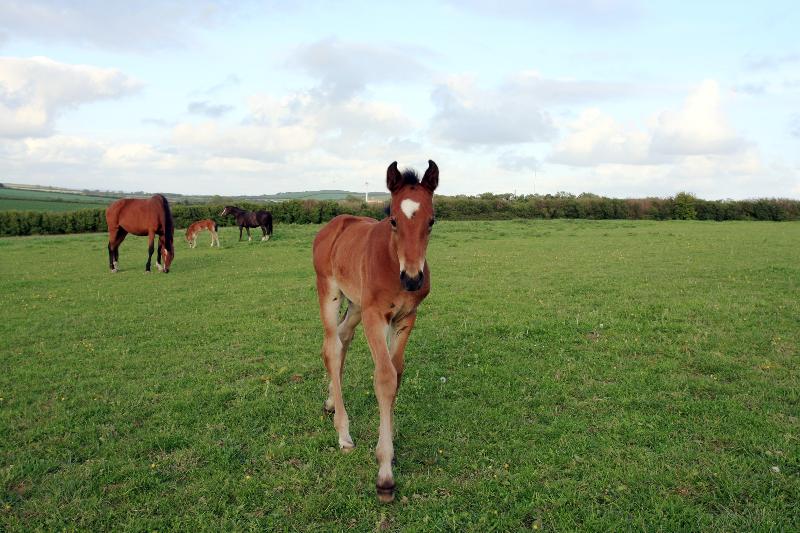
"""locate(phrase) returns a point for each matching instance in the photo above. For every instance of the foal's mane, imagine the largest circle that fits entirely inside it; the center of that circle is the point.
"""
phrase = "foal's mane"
(410, 176)
(169, 226)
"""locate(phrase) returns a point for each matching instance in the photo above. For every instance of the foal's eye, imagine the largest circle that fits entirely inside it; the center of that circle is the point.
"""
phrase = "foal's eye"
(393, 222)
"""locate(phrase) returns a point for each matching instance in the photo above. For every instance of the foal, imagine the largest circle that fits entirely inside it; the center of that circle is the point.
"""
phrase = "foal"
(379, 267)
(197, 227)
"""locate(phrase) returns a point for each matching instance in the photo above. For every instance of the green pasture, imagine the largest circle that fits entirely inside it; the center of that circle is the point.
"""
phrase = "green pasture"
(31, 200)
(563, 375)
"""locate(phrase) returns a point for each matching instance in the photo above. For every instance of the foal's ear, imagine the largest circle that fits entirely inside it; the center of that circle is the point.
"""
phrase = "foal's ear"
(431, 178)
(393, 178)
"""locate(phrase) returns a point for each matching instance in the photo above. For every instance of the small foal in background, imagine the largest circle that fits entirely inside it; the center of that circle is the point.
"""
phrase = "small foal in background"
(197, 227)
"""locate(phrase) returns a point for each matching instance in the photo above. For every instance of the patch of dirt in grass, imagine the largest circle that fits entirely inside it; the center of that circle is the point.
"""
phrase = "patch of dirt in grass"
(593, 336)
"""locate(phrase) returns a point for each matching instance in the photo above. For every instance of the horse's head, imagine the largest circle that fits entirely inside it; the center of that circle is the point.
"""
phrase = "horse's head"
(229, 210)
(167, 254)
(411, 218)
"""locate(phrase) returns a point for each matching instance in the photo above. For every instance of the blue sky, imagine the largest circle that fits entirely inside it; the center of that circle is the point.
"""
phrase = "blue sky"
(614, 97)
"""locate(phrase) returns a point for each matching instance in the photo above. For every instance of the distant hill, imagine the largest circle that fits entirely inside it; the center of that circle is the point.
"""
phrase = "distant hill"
(20, 197)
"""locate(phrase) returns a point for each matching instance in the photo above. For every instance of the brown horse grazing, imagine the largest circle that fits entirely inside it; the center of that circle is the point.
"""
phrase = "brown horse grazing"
(149, 217)
(380, 268)
(197, 227)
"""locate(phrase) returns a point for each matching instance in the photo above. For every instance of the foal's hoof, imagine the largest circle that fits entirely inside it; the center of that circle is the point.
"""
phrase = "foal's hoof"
(328, 408)
(385, 494)
(346, 446)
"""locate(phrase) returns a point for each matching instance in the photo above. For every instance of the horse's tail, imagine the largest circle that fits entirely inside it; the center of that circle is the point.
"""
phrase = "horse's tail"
(169, 225)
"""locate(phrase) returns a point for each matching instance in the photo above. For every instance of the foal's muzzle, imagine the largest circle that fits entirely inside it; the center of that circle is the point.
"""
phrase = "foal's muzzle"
(411, 284)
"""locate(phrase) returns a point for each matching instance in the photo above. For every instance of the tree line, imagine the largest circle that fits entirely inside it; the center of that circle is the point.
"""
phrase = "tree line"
(682, 206)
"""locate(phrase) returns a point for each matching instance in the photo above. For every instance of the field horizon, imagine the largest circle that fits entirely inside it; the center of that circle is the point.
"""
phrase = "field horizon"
(563, 374)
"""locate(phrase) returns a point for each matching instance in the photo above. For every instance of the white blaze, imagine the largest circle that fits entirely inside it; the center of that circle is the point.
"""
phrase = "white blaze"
(409, 207)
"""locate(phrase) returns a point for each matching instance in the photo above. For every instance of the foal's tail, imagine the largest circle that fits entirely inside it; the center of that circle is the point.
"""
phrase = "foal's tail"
(216, 226)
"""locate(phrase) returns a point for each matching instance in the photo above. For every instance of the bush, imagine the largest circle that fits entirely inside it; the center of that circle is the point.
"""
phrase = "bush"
(487, 206)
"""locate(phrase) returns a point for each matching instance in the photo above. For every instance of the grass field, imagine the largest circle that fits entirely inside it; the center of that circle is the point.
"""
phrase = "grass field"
(30, 200)
(563, 375)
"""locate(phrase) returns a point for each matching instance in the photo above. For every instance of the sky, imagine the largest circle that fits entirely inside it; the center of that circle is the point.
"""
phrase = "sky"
(615, 97)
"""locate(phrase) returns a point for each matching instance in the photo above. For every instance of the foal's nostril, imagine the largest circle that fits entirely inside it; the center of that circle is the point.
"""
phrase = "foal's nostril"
(411, 284)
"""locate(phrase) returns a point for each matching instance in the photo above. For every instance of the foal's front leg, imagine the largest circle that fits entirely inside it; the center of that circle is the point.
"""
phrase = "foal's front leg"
(385, 382)
(401, 330)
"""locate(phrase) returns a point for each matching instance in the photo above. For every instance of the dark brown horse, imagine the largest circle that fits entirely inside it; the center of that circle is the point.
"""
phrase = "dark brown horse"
(380, 270)
(250, 219)
(149, 217)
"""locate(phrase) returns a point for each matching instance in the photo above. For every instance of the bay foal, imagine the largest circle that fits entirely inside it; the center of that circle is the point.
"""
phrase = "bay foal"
(379, 268)
(197, 227)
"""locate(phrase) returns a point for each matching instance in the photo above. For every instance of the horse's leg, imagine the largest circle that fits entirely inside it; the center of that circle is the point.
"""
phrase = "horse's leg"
(264, 231)
(113, 247)
(111, 257)
(330, 299)
(240, 233)
(401, 330)
(345, 331)
(385, 381)
(158, 257)
(249, 238)
(150, 239)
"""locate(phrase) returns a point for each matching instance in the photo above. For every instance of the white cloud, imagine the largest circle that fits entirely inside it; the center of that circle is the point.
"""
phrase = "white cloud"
(596, 138)
(771, 61)
(794, 125)
(344, 69)
(698, 128)
(518, 163)
(583, 12)
(34, 91)
(209, 109)
(546, 91)
(468, 117)
(517, 111)
(140, 25)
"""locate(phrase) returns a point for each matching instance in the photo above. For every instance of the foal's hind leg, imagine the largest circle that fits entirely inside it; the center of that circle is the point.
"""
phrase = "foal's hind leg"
(345, 331)
(330, 299)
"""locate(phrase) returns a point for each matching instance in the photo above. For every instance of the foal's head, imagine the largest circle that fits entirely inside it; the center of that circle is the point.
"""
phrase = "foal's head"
(411, 217)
